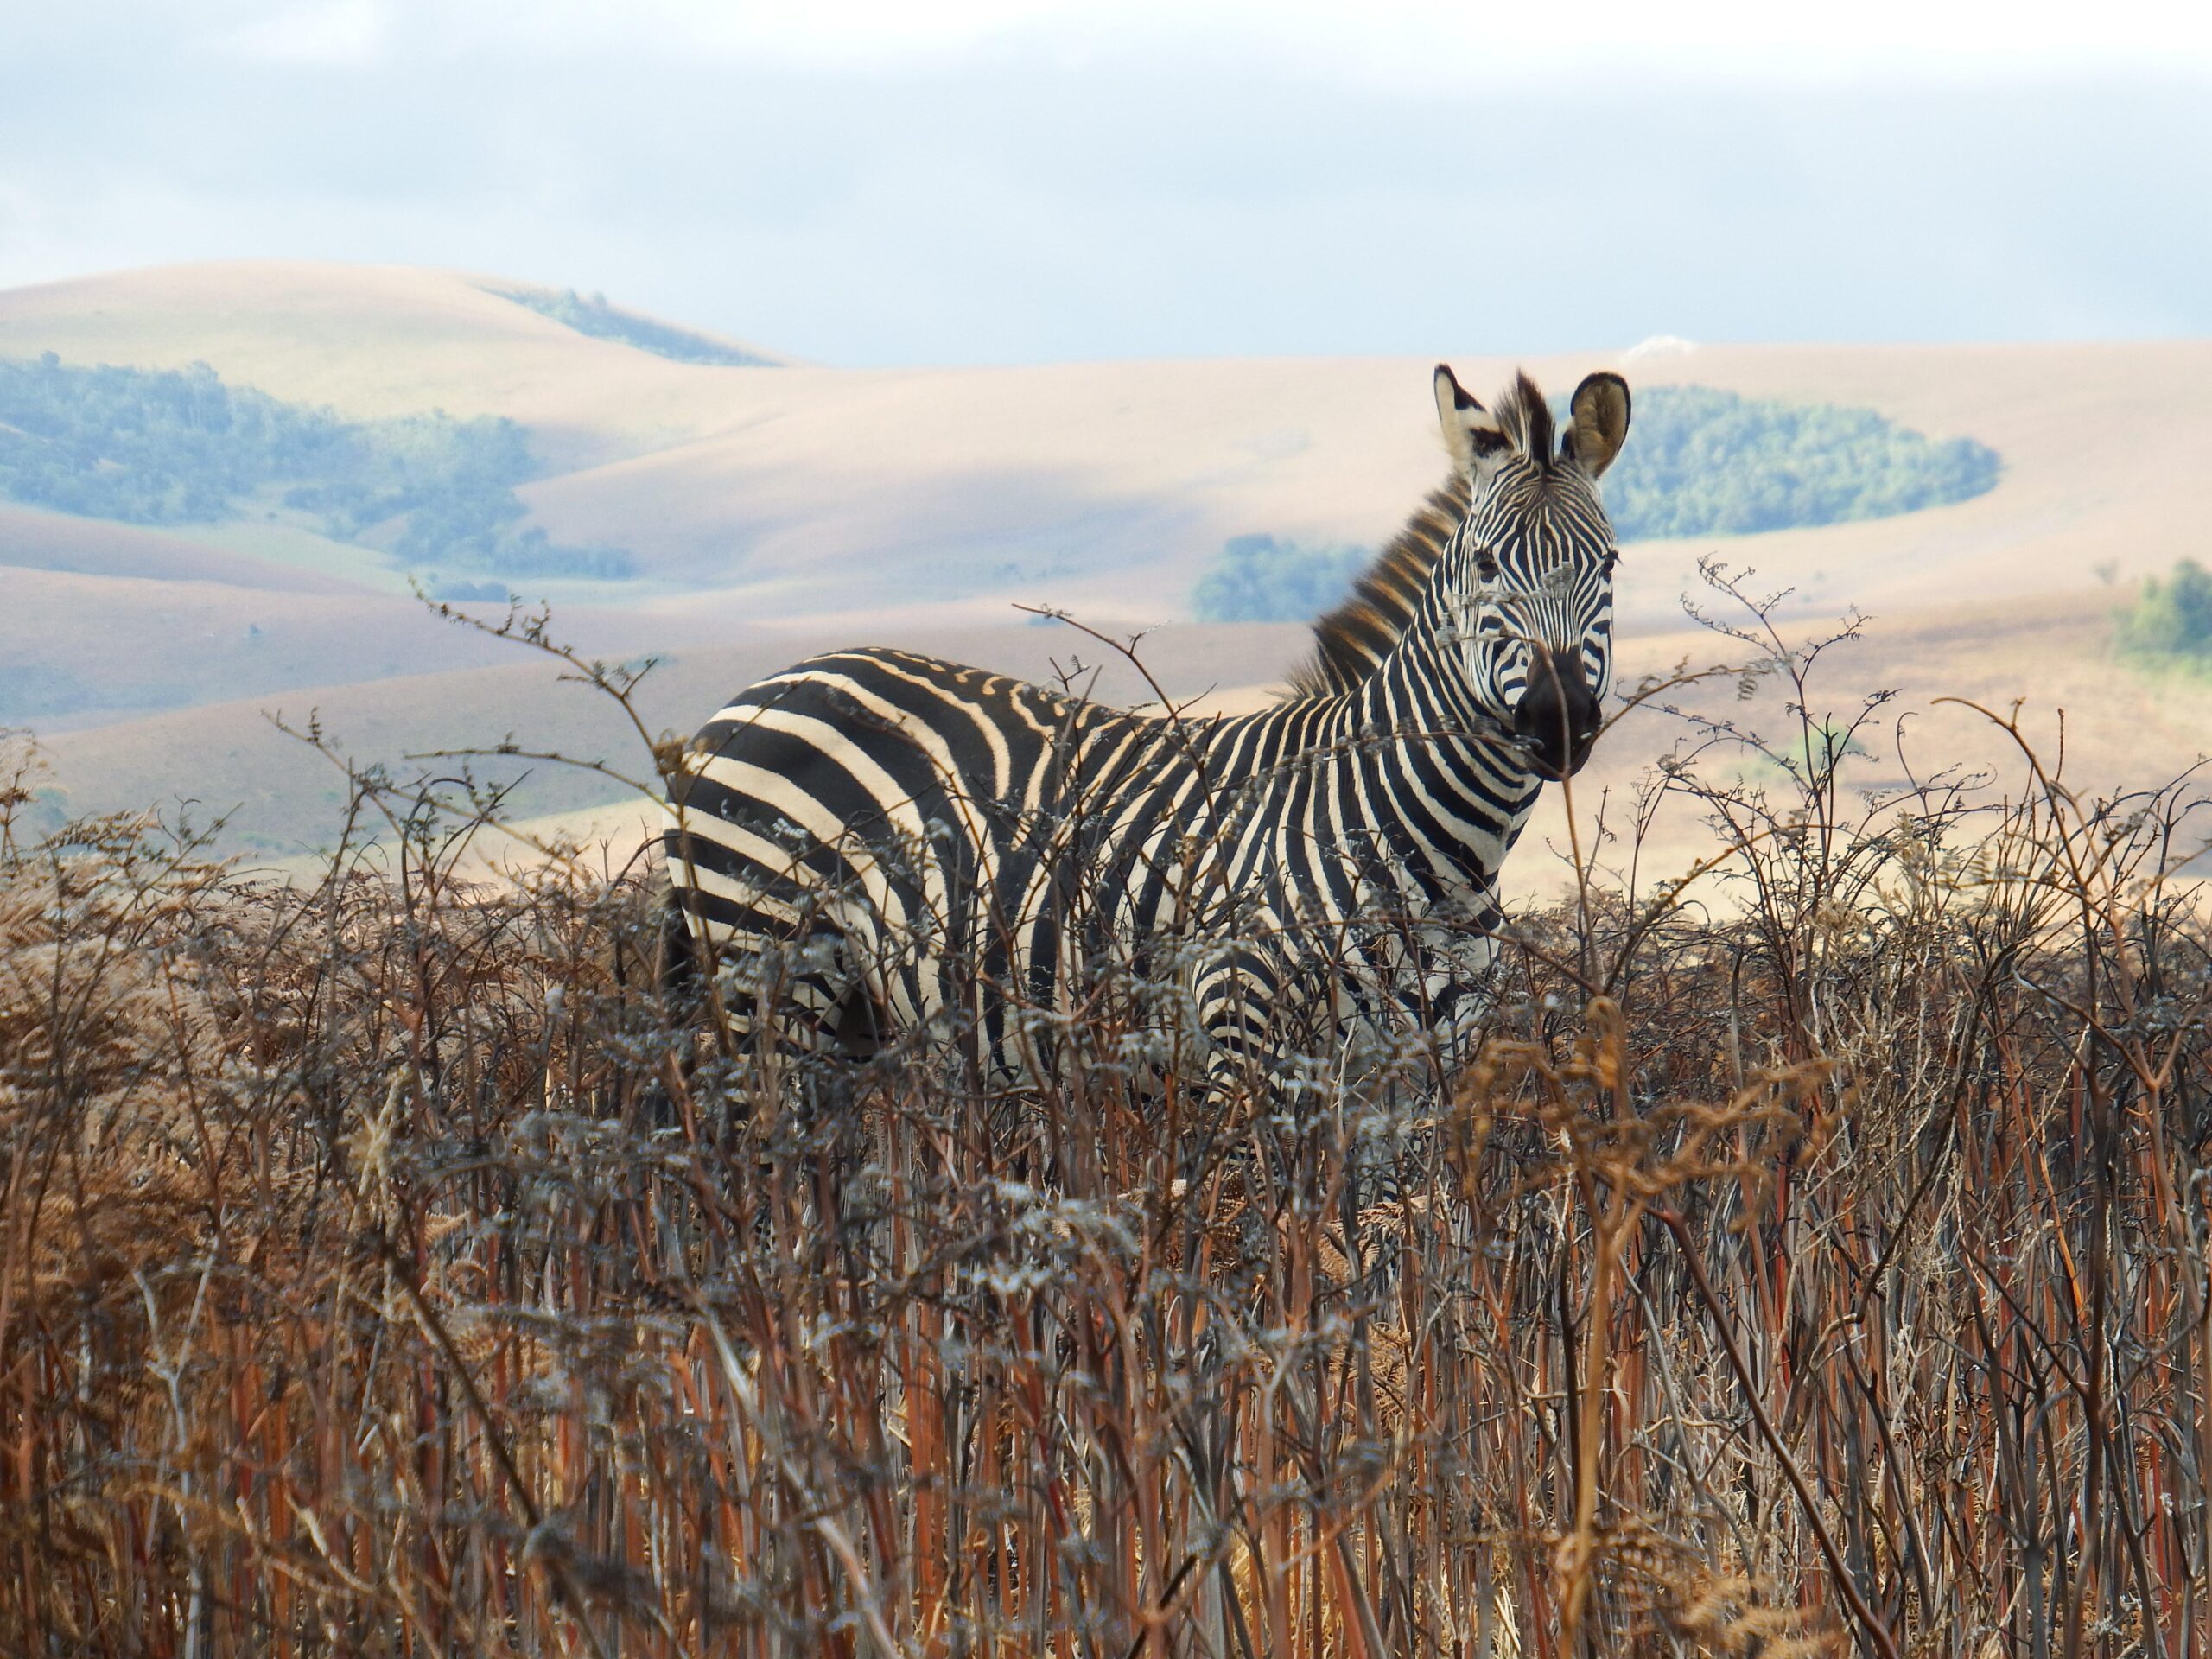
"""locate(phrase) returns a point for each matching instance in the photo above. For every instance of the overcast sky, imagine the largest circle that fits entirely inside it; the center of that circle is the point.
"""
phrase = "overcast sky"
(1009, 181)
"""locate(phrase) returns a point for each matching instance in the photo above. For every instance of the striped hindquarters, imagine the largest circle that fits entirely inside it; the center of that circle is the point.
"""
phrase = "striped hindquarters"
(884, 837)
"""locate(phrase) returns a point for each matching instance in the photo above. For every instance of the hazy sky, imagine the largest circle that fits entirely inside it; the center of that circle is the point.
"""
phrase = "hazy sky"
(996, 180)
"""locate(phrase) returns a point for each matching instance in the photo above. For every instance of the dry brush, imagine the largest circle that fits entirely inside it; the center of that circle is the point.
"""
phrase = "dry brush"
(1811, 1258)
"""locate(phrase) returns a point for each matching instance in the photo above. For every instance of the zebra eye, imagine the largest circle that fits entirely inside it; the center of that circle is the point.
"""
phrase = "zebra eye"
(1606, 565)
(1486, 566)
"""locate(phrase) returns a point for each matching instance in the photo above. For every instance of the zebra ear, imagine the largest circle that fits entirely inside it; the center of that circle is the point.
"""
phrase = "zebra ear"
(1599, 425)
(1469, 429)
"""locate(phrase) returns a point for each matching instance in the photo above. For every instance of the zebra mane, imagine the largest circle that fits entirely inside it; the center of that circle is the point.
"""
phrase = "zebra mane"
(1351, 642)
(1527, 419)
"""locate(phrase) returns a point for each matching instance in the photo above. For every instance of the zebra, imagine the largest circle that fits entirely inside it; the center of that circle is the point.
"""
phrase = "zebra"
(876, 842)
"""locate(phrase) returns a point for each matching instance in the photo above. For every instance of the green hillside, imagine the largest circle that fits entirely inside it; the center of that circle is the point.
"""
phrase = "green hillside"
(145, 447)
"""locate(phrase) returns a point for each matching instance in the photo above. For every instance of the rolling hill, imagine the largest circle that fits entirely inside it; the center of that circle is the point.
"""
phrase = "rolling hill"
(769, 506)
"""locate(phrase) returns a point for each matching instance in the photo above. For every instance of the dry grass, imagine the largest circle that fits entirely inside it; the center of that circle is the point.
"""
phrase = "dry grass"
(1824, 1272)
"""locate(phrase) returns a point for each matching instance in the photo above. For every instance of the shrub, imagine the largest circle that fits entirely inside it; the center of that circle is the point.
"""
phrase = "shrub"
(2172, 620)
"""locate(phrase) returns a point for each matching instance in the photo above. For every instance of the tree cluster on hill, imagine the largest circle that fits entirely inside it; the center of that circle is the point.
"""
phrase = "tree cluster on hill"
(591, 315)
(2172, 620)
(179, 446)
(1699, 463)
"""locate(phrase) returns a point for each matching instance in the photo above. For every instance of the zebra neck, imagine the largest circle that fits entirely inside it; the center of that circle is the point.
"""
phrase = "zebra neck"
(1420, 691)
(1429, 771)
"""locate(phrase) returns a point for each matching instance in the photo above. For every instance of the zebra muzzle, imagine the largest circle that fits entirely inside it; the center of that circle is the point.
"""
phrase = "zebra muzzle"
(1557, 718)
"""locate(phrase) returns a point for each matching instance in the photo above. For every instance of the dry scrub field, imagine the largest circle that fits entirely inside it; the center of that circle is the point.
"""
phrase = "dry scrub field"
(1814, 1259)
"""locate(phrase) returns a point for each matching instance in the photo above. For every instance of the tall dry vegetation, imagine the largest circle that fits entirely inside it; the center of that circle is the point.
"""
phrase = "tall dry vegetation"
(1818, 1266)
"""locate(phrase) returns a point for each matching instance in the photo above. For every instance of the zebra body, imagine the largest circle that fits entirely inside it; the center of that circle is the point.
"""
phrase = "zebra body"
(888, 843)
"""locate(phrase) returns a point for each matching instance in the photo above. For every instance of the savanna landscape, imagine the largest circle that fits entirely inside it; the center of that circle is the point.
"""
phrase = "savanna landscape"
(761, 509)
(1807, 1254)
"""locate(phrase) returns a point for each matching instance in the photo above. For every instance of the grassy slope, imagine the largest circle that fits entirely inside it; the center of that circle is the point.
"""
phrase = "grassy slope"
(34, 539)
(798, 489)
(116, 646)
(291, 797)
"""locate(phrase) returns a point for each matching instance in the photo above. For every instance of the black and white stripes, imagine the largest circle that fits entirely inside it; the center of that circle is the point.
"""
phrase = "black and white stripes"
(876, 842)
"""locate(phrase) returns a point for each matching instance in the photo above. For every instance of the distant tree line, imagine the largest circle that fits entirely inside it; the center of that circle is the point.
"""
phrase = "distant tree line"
(1699, 463)
(1258, 579)
(591, 315)
(178, 447)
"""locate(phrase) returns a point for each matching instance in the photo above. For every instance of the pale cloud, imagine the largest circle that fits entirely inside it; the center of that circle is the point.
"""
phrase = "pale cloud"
(1758, 39)
(26, 233)
(857, 182)
(1428, 43)
(353, 34)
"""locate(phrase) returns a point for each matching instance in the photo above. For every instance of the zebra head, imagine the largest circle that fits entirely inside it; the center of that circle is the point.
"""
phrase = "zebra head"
(1532, 564)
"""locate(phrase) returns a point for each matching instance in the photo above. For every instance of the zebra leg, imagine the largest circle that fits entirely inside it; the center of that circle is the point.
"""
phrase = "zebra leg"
(809, 990)
(1234, 1003)
(1225, 1055)
(1459, 986)
(677, 985)
(750, 985)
